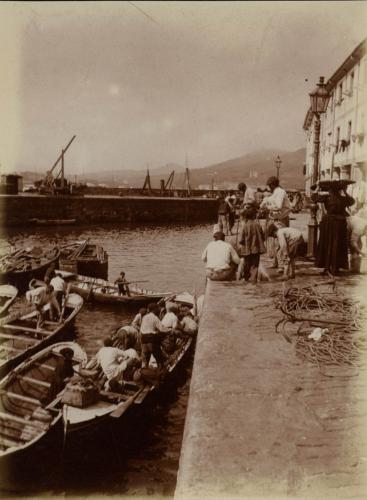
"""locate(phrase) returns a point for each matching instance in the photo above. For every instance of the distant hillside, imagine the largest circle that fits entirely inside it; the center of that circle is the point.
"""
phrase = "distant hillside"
(252, 168)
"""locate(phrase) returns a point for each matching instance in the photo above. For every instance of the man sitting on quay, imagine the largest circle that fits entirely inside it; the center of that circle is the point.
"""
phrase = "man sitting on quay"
(220, 257)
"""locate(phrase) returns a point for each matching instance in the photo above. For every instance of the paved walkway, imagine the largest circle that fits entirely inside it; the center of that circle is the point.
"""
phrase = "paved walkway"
(262, 422)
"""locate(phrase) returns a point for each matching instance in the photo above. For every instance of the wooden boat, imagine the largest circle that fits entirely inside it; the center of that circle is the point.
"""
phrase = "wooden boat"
(105, 292)
(84, 258)
(19, 337)
(30, 395)
(18, 268)
(112, 405)
(52, 222)
(8, 294)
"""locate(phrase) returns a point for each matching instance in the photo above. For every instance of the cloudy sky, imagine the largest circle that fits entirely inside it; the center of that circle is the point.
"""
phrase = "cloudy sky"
(145, 82)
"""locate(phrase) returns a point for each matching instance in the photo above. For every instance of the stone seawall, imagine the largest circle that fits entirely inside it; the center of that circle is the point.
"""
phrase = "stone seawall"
(16, 210)
(261, 421)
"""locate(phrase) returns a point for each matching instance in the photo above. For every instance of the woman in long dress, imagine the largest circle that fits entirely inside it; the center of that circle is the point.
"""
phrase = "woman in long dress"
(332, 248)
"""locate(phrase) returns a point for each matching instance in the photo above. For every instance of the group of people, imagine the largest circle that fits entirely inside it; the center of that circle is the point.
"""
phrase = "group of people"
(51, 291)
(225, 262)
(126, 354)
(342, 227)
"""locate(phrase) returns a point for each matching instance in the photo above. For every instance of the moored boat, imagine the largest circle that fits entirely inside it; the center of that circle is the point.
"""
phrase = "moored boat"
(84, 258)
(112, 405)
(100, 290)
(52, 222)
(20, 337)
(19, 267)
(8, 294)
(30, 395)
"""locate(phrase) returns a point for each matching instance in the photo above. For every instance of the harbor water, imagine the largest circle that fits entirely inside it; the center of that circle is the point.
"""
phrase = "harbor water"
(141, 459)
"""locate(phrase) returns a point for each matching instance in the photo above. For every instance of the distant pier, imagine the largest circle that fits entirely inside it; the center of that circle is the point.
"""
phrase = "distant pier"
(18, 210)
(261, 422)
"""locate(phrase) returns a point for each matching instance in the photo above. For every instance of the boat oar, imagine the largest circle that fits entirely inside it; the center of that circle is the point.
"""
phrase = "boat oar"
(90, 290)
(64, 304)
(121, 408)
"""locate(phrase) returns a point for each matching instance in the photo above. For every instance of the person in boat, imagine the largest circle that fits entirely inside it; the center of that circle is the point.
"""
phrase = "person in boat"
(40, 297)
(151, 331)
(50, 274)
(138, 318)
(187, 322)
(291, 244)
(122, 285)
(59, 287)
(220, 257)
(127, 337)
(115, 361)
(171, 323)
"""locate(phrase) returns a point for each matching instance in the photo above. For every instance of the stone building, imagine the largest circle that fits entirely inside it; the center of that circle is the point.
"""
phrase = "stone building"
(343, 142)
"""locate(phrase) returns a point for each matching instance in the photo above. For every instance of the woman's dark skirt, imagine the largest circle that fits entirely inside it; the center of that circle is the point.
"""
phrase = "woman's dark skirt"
(332, 248)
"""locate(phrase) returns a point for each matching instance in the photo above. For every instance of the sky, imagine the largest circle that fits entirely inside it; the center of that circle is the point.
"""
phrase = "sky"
(145, 83)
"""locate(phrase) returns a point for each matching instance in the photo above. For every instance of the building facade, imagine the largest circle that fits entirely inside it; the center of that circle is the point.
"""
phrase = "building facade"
(343, 142)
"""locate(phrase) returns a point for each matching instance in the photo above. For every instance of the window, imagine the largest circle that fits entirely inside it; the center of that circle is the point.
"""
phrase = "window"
(337, 137)
(340, 93)
(351, 83)
(349, 132)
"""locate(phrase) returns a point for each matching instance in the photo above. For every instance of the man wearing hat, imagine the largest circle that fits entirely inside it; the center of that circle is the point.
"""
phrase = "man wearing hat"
(279, 207)
(220, 257)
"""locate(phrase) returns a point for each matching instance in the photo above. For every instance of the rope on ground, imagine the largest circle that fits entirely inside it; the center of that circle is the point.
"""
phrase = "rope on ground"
(341, 319)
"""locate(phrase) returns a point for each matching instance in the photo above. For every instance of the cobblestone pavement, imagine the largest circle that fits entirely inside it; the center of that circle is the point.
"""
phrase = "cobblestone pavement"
(262, 422)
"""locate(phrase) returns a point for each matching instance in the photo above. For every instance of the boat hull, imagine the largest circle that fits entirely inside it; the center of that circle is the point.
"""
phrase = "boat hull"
(90, 289)
(56, 336)
(21, 279)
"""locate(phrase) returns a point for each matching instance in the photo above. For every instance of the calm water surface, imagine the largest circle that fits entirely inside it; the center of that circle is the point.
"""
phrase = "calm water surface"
(142, 457)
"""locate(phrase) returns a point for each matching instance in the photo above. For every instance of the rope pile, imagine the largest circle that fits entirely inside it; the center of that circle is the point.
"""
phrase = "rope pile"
(342, 320)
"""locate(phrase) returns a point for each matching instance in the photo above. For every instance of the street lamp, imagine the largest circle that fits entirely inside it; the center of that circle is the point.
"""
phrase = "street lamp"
(278, 162)
(319, 98)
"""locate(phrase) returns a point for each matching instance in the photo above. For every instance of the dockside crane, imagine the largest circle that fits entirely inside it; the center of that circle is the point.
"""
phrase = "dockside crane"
(56, 184)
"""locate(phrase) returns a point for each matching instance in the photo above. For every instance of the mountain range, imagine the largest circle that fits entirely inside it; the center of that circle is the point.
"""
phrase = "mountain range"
(252, 168)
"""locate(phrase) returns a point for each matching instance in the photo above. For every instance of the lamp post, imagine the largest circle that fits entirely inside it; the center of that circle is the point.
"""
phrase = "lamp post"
(319, 98)
(278, 163)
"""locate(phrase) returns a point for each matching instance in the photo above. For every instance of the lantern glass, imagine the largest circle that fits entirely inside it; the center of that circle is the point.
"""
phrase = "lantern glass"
(319, 97)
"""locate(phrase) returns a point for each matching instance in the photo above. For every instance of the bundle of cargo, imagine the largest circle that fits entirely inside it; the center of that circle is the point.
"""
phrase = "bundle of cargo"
(84, 258)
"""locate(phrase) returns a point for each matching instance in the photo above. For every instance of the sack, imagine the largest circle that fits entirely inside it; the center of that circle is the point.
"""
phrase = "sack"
(80, 393)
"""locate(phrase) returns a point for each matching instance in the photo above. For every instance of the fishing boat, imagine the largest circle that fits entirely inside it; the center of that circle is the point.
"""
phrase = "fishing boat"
(52, 222)
(19, 267)
(102, 291)
(8, 294)
(20, 337)
(113, 405)
(30, 414)
(84, 258)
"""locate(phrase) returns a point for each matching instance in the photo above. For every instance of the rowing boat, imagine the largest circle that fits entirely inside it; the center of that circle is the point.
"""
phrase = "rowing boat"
(8, 294)
(100, 290)
(52, 222)
(19, 267)
(112, 405)
(20, 337)
(84, 258)
(30, 395)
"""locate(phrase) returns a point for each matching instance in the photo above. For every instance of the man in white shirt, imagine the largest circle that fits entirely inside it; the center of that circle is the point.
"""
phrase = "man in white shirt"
(136, 323)
(187, 322)
(220, 257)
(114, 361)
(247, 193)
(150, 329)
(59, 287)
(170, 320)
(279, 208)
(291, 243)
